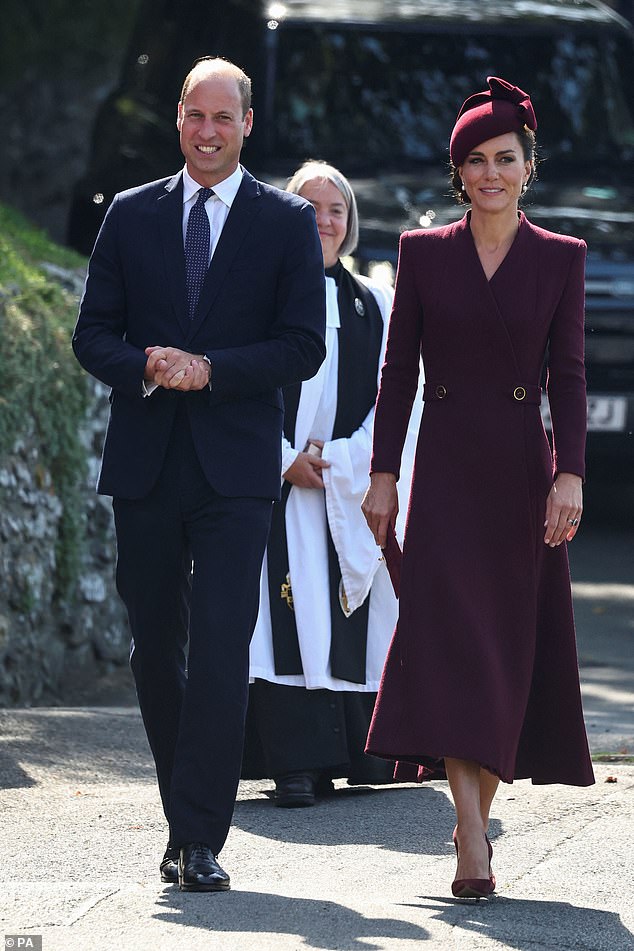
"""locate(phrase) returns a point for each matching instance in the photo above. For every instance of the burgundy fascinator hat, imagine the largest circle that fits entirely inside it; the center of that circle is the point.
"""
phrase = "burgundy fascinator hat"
(500, 108)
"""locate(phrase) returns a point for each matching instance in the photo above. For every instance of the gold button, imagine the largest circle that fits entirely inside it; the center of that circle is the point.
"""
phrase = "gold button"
(441, 392)
(519, 392)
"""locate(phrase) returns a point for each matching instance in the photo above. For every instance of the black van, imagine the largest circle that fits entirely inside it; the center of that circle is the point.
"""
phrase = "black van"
(374, 87)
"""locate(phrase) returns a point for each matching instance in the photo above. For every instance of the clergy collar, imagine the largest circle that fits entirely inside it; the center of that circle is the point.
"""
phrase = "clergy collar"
(335, 271)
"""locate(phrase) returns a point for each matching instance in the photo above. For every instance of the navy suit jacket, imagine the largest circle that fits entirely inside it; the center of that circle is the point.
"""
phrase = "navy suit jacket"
(260, 319)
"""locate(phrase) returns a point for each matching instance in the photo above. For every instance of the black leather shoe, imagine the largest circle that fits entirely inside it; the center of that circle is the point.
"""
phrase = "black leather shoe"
(295, 790)
(198, 870)
(324, 787)
(169, 865)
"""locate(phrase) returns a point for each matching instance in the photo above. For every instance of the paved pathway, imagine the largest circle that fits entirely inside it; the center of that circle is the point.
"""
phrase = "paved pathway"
(368, 870)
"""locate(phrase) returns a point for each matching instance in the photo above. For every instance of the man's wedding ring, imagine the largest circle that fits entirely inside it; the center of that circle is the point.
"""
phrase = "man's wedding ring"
(573, 521)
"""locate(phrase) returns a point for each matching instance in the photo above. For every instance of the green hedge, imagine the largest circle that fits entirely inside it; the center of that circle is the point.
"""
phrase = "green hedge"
(42, 388)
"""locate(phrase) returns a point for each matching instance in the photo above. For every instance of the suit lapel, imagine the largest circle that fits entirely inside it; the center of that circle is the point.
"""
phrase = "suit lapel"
(170, 211)
(243, 210)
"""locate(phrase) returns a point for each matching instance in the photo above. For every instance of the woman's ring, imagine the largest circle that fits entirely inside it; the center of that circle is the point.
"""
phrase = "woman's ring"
(573, 521)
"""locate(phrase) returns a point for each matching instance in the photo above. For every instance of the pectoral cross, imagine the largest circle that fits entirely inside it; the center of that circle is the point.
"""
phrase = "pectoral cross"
(286, 592)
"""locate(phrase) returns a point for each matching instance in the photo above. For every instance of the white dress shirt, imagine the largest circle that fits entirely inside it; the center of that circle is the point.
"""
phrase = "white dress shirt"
(217, 206)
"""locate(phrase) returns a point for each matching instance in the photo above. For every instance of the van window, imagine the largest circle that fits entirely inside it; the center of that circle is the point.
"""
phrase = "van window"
(362, 97)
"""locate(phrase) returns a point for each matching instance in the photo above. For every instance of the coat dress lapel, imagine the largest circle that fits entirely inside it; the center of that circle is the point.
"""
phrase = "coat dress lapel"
(493, 305)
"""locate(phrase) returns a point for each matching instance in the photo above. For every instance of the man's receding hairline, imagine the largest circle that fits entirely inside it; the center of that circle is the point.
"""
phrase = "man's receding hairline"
(207, 69)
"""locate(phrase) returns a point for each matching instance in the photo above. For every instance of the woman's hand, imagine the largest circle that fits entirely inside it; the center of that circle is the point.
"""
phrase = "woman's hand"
(305, 472)
(564, 506)
(380, 505)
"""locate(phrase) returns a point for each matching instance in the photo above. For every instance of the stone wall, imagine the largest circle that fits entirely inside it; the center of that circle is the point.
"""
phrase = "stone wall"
(49, 644)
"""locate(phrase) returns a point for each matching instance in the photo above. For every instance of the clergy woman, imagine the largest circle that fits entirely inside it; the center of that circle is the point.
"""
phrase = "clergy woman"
(327, 606)
(481, 681)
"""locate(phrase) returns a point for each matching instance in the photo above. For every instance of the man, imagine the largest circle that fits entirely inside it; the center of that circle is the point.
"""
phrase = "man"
(204, 296)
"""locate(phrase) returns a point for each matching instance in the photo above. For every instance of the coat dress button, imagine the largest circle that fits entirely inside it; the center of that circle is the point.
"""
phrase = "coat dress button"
(519, 393)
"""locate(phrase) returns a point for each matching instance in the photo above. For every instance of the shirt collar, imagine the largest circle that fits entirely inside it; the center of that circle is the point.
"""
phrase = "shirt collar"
(225, 190)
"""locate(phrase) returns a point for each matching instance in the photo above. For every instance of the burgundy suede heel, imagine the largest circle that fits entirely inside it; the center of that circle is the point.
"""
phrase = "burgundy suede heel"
(491, 875)
(473, 887)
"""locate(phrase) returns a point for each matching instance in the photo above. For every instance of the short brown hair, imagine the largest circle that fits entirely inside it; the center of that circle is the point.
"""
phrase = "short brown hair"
(207, 65)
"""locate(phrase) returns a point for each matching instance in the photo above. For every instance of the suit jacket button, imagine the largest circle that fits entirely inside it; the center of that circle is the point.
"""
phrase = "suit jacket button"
(441, 392)
(519, 393)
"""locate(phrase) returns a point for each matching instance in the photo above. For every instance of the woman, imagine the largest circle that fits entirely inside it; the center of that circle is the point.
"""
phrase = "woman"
(327, 609)
(481, 681)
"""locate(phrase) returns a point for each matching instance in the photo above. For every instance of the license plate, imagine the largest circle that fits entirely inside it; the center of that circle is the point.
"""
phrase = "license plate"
(605, 414)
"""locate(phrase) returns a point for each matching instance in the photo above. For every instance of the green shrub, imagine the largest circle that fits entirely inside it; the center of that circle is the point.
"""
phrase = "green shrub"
(43, 391)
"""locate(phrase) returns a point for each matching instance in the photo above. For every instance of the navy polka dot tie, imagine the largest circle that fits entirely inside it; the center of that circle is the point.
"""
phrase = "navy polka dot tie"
(197, 239)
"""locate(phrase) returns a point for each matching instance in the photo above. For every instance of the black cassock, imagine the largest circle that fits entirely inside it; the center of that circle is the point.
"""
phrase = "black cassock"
(291, 728)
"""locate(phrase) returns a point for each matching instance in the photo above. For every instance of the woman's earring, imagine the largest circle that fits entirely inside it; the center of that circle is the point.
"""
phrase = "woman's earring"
(462, 186)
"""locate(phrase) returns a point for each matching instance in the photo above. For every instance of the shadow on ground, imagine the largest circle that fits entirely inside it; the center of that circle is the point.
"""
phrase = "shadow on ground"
(511, 922)
(314, 921)
(76, 744)
(391, 817)
(516, 923)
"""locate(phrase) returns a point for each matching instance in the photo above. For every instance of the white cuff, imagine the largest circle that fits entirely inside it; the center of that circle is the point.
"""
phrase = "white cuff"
(289, 455)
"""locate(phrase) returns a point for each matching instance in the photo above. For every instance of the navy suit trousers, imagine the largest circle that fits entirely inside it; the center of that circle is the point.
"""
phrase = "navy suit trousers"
(191, 631)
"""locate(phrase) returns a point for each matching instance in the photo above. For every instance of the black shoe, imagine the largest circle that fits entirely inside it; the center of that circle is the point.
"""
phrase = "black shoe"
(324, 787)
(295, 790)
(198, 870)
(169, 865)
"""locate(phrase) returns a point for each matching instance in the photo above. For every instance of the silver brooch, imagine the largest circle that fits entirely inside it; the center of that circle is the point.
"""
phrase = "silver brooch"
(359, 307)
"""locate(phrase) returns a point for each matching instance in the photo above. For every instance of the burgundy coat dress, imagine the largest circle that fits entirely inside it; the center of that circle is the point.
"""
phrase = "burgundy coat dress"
(483, 663)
